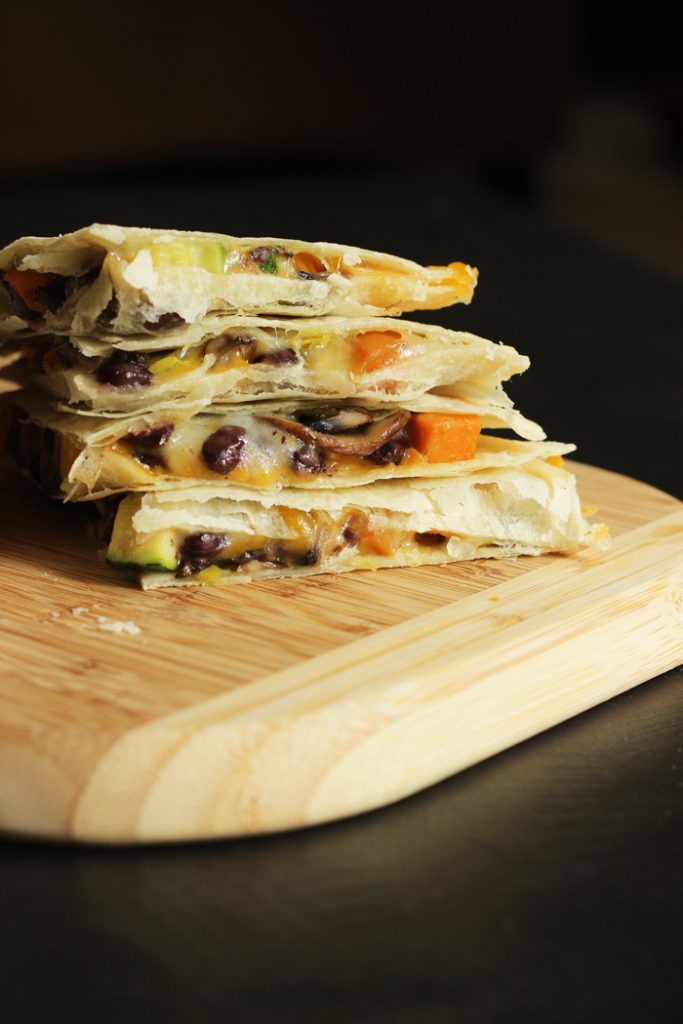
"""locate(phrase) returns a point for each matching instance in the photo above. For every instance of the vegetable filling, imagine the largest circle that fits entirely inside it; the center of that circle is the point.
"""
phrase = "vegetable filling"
(294, 447)
(31, 295)
(308, 539)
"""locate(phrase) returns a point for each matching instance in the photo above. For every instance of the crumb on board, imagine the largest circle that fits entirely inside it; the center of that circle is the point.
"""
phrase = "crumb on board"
(117, 626)
(104, 623)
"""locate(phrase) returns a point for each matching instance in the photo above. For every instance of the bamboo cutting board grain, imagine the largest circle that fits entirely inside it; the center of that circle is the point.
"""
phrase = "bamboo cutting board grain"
(129, 716)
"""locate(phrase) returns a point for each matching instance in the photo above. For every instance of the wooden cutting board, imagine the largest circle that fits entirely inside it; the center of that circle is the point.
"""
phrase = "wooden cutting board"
(132, 717)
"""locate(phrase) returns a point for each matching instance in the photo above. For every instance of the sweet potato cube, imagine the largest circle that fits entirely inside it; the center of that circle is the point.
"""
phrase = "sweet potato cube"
(373, 350)
(444, 437)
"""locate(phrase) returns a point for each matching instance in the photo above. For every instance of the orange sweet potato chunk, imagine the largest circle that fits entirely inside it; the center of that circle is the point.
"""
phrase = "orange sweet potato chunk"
(26, 283)
(373, 350)
(444, 437)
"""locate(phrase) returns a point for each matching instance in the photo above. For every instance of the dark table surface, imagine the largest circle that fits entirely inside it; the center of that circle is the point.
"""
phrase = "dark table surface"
(543, 885)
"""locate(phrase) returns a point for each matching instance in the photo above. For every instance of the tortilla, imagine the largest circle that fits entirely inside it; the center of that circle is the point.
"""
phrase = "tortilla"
(109, 279)
(264, 445)
(199, 536)
(238, 359)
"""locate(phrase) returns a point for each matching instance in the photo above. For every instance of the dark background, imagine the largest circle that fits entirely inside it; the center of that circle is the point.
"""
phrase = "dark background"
(572, 107)
(542, 142)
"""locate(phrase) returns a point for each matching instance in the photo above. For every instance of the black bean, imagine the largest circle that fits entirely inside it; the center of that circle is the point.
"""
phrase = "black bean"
(124, 370)
(149, 460)
(279, 357)
(154, 437)
(430, 540)
(200, 549)
(166, 322)
(261, 253)
(309, 459)
(277, 554)
(222, 450)
(393, 452)
(351, 536)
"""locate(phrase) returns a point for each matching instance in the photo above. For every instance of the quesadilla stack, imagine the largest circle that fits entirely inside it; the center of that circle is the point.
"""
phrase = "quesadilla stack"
(246, 408)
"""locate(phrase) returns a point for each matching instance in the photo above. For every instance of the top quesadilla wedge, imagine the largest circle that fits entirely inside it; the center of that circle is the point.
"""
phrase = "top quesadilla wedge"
(110, 279)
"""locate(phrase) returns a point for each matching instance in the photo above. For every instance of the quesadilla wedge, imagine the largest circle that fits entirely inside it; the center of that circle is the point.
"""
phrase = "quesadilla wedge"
(264, 445)
(200, 536)
(111, 279)
(237, 359)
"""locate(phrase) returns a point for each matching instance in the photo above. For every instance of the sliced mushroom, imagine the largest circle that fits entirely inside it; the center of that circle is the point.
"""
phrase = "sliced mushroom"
(330, 420)
(227, 346)
(346, 444)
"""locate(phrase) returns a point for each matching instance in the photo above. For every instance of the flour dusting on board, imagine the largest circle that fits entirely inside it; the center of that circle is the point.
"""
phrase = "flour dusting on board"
(108, 625)
(117, 626)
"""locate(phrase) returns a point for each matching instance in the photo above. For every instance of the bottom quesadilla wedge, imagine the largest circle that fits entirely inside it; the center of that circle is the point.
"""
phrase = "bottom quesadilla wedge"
(203, 536)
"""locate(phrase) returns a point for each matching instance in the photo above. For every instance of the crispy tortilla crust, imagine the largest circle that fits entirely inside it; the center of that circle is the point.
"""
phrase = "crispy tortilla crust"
(532, 509)
(360, 282)
(456, 362)
(496, 411)
(93, 469)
